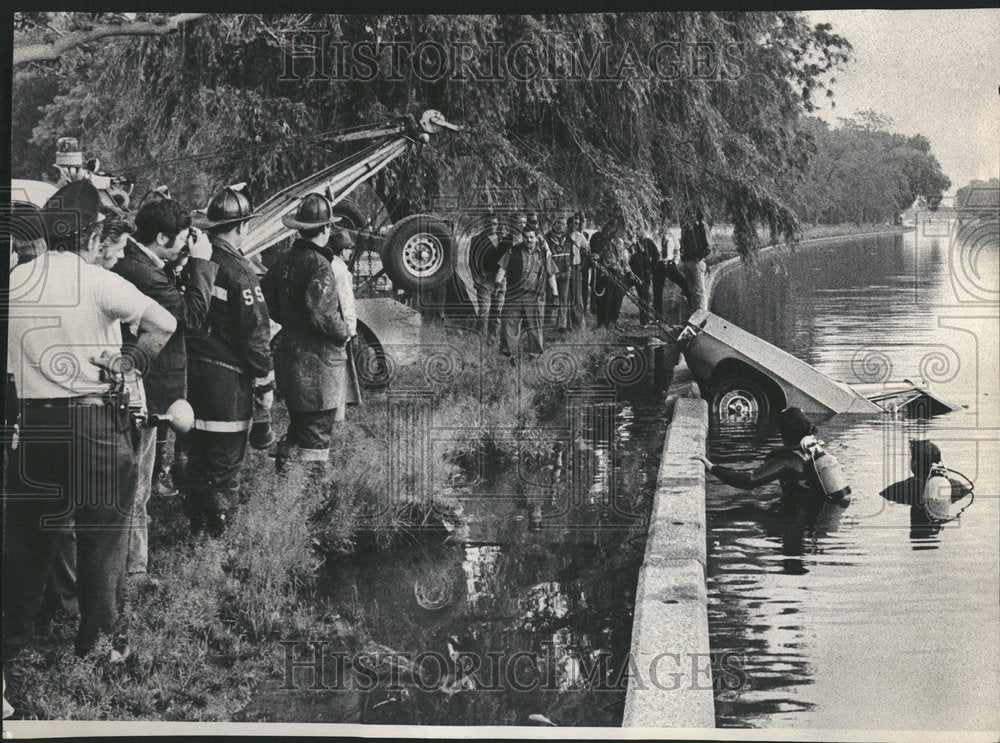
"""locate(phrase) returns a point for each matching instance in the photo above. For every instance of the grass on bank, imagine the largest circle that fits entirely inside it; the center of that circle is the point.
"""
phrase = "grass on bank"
(209, 634)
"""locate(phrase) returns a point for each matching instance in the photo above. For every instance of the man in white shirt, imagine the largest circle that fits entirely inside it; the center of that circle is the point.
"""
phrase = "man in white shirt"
(74, 458)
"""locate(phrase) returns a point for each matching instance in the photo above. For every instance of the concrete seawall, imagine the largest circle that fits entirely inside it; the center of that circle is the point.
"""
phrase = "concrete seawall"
(719, 270)
(671, 681)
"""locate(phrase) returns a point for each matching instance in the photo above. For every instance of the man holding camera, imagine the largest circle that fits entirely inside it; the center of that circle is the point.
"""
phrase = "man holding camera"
(164, 237)
(229, 367)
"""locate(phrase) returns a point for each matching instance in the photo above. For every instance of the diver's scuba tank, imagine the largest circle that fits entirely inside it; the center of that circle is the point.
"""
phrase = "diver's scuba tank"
(936, 498)
(828, 471)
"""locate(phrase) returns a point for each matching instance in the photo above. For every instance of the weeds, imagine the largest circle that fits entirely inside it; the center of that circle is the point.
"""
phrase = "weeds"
(203, 639)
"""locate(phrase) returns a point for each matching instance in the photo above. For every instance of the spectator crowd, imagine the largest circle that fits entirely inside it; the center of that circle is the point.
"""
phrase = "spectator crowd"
(124, 324)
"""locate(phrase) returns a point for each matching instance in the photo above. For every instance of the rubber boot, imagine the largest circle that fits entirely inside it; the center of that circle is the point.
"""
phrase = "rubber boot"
(282, 453)
(216, 512)
(194, 510)
(178, 470)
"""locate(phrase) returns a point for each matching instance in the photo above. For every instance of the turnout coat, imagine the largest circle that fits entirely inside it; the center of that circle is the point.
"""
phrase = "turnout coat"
(310, 352)
(232, 348)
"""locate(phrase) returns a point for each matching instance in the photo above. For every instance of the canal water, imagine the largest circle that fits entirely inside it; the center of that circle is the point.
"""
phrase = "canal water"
(869, 616)
(533, 596)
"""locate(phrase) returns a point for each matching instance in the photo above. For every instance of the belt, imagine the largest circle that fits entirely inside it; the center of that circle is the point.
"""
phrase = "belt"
(223, 364)
(70, 402)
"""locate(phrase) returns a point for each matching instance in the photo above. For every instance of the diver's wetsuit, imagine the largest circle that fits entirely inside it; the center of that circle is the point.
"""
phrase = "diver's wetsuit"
(788, 465)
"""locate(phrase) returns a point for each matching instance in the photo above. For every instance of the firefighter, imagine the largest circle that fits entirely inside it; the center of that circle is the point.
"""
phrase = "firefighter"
(311, 348)
(229, 365)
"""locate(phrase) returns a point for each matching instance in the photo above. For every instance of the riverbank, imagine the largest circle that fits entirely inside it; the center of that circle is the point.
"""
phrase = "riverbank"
(206, 638)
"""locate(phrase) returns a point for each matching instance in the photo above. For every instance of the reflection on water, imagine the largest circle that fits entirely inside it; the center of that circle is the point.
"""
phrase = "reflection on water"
(869, 617)
(537, 594)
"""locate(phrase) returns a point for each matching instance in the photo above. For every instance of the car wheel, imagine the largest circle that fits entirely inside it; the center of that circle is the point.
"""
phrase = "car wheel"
(739, 400)
(419, 253)
(374, 366)
(351, 216)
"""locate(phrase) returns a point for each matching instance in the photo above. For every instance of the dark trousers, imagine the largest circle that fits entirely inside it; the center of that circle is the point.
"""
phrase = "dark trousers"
(310, 431)
(644, 291)
(73, 463)
(215, 460)
(659, 282)
(609, 304)
(585, 272)
(521, 315)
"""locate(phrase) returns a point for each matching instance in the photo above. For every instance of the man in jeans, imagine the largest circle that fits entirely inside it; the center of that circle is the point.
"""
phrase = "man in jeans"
(163, 234)
(74, 458)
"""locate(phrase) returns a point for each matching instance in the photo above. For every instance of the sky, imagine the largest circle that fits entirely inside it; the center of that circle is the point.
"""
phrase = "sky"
(935, 72)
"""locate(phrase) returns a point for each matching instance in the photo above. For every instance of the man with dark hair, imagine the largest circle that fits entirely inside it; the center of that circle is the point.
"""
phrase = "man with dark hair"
(162, 233)
(67, 375)
(229, 367)
(311, 348)
(483, 264)
(528, 270)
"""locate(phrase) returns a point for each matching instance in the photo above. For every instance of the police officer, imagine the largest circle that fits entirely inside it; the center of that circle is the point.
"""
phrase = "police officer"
(229, 364)
(311, 348)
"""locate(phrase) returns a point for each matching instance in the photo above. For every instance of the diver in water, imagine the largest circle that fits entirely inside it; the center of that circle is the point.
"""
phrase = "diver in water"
(800, 465)
(931, 491)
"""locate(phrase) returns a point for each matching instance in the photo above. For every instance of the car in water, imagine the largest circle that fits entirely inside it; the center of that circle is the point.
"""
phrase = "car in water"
(745, 379)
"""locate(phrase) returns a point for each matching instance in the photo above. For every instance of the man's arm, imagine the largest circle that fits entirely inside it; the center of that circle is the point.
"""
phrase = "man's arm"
(770, 471)
(199, 278)
(323, 307)
(155, 328)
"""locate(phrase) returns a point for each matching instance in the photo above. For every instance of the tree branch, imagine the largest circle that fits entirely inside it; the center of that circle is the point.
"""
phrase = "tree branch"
(43, 52)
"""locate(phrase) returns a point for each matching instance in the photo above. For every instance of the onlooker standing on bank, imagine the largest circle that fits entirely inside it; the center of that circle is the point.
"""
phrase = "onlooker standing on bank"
(692, 265)
(340, 241)
(660, 273)
(163, 233)
(62, 372)
(311, 349)
(574, 297)
(528, 270)
(229, 365)
(642, 262)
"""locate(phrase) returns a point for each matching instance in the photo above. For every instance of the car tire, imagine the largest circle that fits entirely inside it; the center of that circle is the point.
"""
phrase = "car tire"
(419, 253)
(740, 400)
(351, 216)
(374, 366)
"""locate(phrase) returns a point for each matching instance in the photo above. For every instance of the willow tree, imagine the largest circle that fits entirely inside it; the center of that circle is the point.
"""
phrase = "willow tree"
(634, 117)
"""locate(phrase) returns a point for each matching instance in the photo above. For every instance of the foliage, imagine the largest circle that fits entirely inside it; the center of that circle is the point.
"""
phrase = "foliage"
(862, 172)
(595, 130)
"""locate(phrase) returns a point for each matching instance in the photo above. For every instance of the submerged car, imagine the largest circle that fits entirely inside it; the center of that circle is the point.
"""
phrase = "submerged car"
(744, 378)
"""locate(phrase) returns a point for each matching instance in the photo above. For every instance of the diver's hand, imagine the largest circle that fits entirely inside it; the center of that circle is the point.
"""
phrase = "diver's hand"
(705, 461)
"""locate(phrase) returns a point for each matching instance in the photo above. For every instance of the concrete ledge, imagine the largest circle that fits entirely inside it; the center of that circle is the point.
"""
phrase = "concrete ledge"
(670, 684)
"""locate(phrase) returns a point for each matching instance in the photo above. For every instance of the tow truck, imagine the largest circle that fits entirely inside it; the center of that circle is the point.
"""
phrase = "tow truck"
(417, 253)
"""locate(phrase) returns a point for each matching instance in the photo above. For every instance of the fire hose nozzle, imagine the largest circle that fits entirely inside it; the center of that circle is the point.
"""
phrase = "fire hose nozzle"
(179, 416)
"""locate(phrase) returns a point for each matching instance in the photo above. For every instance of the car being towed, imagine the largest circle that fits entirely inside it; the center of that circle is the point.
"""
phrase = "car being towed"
(744, 378)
